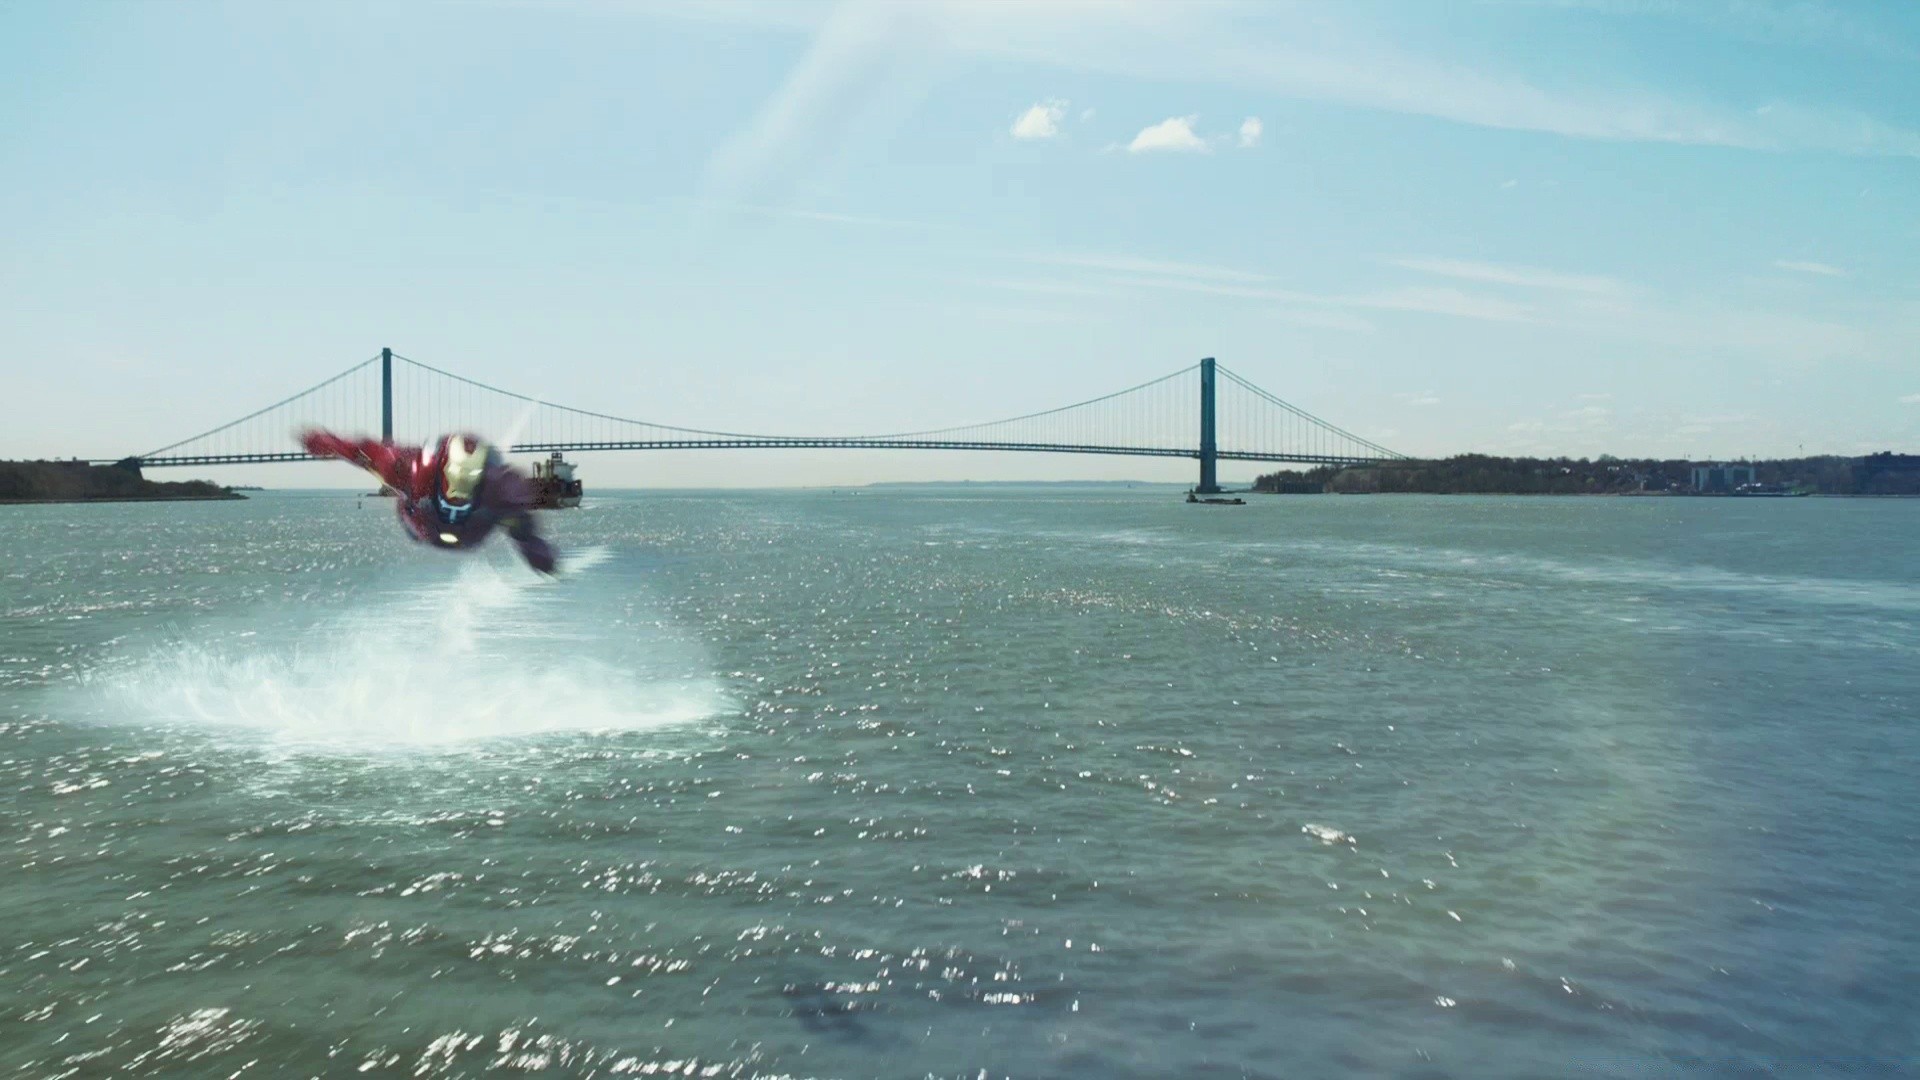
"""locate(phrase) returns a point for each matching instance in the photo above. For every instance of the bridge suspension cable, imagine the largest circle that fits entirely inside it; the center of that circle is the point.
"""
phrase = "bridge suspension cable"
(1153, 417)
(1159, 417)
(336, 401)
(1287, 428)
(435, 416)
(1044, 413)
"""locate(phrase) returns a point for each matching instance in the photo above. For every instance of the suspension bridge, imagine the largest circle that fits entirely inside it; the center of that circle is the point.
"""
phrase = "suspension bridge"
(1203, 411)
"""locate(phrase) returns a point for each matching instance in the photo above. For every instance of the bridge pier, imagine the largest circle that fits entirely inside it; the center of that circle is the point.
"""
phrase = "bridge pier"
(1209, 447)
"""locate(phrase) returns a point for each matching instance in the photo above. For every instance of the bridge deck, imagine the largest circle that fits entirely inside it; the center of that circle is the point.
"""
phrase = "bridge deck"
(795, 443)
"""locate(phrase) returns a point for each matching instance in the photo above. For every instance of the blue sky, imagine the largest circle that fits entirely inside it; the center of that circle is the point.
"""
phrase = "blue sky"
(1675, 228)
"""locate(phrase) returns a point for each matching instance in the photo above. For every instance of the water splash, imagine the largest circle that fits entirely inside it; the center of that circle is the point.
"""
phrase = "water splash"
(493, 652)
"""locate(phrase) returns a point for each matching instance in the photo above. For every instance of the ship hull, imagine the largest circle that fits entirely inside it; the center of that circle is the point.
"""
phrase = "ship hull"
(555, 496)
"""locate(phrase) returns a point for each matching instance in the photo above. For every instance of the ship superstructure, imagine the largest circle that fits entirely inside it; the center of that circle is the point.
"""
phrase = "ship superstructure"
(554, 485)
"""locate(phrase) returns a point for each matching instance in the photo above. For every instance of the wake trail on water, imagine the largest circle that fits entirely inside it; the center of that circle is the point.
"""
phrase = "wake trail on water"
(493, 652)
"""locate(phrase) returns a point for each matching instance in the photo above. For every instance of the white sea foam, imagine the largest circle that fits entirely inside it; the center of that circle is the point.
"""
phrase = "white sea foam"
(584, 559)
(1327, 834)
(493, 652)
(1635, 572)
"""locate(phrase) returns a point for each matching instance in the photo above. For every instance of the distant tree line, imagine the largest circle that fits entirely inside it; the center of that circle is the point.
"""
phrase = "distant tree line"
(77, 481)
(1483, 474)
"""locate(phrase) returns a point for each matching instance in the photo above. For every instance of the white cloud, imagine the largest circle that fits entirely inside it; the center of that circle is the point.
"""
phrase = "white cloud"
(1174, 133)
(1041, 288)
(1250, 129)
(1445, 302)
(1304, 309)
(1709, 424)
(1425, 301)
(1320, 318)
(1333, 311)
(1023, 315)
(1809, 268)
(1910, 399)
(1127, 264)
(1588, 421)
(875, 52)
(812, 215)
(1588, 305)
(1832, 25)
(1042, 121)
(1525, 276)
(1380, 75)
(1217, 288)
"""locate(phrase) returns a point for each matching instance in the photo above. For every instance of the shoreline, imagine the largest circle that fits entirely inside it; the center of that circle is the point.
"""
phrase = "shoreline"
(122, 499)
(25, 482)
(1598, 494)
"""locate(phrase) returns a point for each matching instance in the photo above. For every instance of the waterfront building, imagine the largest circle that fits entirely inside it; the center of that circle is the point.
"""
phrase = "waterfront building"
(1723, 477)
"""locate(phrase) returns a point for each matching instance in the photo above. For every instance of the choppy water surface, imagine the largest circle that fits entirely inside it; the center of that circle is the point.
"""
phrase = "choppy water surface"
(1013, 782)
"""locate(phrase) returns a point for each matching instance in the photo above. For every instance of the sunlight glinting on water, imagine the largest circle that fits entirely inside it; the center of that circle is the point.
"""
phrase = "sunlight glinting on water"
(808, 784)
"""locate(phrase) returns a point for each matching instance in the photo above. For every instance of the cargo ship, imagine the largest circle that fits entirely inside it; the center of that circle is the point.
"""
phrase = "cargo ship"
(554, 486)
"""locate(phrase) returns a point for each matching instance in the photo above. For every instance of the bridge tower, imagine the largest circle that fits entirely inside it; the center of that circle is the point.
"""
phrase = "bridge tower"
(1209, 447)
(386, 395)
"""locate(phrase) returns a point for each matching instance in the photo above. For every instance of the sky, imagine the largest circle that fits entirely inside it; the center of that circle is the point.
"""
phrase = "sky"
(1684, 228)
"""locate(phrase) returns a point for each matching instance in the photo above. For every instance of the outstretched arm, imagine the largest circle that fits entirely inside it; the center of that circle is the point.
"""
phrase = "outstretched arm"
(391, 463)
(533, 548)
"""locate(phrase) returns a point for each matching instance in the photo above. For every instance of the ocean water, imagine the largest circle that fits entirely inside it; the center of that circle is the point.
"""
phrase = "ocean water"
(1024, 782)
